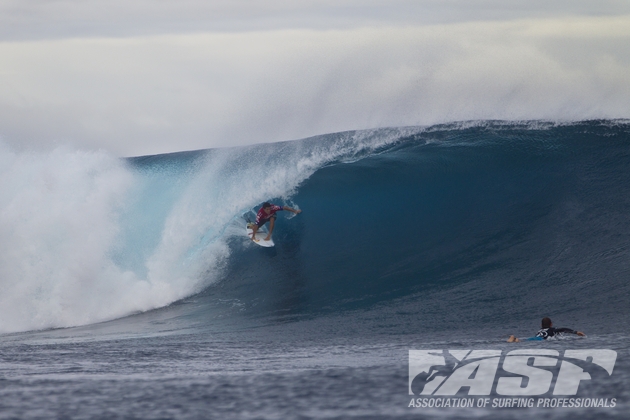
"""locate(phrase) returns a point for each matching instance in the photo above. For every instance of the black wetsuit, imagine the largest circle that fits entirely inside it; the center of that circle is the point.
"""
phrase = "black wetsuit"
(546, 333)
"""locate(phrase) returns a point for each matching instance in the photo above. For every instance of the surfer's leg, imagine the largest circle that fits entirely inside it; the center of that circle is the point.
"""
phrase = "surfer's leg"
(513, 339)
(258, 226)
(272, 222)
(254, 230)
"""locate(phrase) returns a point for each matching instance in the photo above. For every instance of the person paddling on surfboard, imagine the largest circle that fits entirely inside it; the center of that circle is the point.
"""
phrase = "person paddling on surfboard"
(547, 331)
(267, 213)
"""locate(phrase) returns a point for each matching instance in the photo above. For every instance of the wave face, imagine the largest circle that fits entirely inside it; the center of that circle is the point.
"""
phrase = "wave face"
(482, 219)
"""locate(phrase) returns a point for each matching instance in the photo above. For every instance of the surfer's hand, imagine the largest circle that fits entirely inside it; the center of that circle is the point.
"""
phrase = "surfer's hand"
(298, 211)
(581, 334)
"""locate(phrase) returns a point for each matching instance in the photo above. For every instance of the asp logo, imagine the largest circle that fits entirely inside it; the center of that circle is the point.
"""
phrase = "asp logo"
(517, 373)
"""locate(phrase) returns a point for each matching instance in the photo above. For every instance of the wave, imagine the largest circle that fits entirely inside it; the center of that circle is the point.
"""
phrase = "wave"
(510, 212)
(87, 237)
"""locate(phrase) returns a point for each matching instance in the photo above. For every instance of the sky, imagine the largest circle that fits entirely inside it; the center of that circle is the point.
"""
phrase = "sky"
(156, 76)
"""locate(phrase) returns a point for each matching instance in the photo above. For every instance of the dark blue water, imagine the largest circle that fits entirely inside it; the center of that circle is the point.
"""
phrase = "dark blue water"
(450, 237)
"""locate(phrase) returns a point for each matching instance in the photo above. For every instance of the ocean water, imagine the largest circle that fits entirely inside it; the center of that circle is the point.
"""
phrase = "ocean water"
(129, 289)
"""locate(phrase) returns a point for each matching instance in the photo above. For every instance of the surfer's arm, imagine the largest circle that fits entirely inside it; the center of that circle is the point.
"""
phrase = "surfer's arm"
(287, 208)
(570, 331)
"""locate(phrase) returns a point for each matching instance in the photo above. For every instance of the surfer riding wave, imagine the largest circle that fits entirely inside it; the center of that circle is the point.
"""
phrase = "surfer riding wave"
(267, 213)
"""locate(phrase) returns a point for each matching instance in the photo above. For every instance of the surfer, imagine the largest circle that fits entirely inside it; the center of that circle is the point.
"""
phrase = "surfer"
(547, 331)
(267, 213)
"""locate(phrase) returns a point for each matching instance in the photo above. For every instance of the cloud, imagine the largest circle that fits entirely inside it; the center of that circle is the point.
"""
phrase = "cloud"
(54, 19)
(161, 93)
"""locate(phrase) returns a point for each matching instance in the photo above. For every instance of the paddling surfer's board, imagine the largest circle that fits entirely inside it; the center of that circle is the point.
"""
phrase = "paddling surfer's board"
(260, 236)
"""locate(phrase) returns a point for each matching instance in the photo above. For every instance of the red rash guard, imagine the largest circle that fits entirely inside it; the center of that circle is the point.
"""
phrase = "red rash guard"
(264, 216)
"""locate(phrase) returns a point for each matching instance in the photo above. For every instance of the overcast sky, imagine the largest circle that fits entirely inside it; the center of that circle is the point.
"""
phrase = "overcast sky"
(141, 77)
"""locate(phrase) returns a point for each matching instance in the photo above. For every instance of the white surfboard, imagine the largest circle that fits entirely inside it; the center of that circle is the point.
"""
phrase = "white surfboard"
(260, 236)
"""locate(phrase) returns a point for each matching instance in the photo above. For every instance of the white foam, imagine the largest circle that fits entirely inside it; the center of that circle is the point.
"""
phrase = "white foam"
(59, 221)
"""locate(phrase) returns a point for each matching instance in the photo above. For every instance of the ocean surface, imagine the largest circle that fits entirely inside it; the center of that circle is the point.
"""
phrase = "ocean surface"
(128, 288)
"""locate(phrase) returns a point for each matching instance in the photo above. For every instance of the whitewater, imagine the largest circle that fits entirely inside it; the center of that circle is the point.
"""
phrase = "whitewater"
(129, 289)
